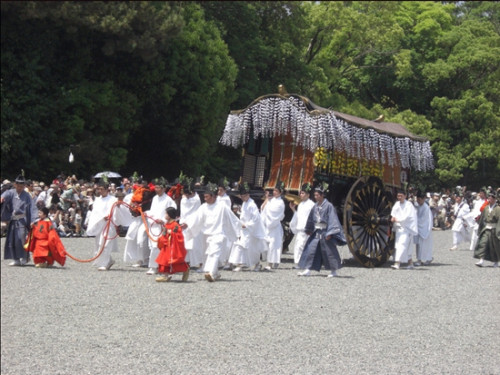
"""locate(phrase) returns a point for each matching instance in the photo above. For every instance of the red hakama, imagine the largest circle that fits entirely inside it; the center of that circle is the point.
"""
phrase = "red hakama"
(172, 250)
(45, 244)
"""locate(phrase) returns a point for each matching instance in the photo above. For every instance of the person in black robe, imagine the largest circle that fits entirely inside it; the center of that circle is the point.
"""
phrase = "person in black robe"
(325, 233)
(19, 212)
(488, 244)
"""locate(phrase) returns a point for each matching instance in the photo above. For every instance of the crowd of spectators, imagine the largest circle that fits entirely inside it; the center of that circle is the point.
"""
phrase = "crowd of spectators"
(68, 199)
(442, 204)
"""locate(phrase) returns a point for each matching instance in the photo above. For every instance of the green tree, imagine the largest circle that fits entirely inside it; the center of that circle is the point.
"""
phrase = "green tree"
(57, 89)
(465, 108)
(137, 86)
(147, 86)
(433, 59)
(267, 48)
(183, 120)
(353, 44)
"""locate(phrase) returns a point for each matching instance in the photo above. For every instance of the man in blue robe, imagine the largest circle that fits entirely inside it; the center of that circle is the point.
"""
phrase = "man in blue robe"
(18, 209)
(325, 233)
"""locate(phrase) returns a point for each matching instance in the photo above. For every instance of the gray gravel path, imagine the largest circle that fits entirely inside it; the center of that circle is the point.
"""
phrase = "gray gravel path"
(440, 319)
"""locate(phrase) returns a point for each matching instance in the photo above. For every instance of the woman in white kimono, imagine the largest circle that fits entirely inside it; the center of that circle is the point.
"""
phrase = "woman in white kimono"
(474, 215)
(461, 226)
(190, 203)
(156, 220)
(423, 239)
(136, 247)
(404, 219)
(121, 213)
(223, 197)
(272, 214)
(217, 223)
(99, 218)
(299, 221)
(246, 250)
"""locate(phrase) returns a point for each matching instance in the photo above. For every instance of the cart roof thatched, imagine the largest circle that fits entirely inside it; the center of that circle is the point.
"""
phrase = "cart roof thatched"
(312, 126)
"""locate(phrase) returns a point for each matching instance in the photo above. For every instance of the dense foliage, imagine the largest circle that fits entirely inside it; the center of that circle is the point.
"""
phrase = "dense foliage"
(146, 86)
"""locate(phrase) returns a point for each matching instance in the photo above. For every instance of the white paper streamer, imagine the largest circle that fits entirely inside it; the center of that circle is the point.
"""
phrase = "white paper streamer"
(275, 116)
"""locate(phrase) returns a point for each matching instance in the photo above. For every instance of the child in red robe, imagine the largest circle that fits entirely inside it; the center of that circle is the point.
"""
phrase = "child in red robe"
(44, 242)
(172, 250)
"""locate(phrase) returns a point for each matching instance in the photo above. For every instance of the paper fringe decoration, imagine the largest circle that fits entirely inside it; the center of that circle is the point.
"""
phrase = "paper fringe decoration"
(271, 117)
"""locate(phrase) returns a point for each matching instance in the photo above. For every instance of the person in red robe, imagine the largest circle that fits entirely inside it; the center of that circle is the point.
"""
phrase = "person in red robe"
(44, 242)
(172, 250)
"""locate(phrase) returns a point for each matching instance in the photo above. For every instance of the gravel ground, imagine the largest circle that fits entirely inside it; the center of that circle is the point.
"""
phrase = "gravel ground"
(439, 319)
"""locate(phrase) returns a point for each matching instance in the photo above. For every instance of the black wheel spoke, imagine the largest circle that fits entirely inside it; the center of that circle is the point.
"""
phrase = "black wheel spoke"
(368, 230)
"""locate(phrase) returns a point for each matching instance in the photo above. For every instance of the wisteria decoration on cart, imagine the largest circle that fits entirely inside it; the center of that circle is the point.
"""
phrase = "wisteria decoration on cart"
(276, 115)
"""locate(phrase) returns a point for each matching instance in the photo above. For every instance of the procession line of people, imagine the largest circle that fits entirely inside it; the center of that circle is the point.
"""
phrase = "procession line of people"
(209, 236)
(410, 221)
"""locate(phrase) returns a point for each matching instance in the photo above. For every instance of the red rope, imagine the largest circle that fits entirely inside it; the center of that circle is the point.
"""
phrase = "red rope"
(106, 232)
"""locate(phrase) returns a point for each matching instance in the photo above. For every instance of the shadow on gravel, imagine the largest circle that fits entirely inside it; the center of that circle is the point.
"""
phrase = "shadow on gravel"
(403, 268)
(416, 269)
(202, 281)
(340, 277)
(325, 276)
(351, 263)
(436, 265)
(47, 269)
(223, 280)
(355, 264)
(133, 269)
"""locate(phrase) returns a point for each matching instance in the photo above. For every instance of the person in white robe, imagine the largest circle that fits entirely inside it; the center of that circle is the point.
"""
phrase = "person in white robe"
(222, 193)
(442, 212)
(136, 246)
(100, 226)
(121, 213)
(473, 217)
(216, 222)
(156, 220)
(266, 198)
(247, 249)
(272, 214)
(122, 216)
(461, 225)
(299, 221)
(404, 219)
(190, 203)
(226, 199)
(423, 240)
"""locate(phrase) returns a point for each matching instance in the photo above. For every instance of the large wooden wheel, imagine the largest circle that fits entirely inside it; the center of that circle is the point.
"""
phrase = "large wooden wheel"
(367, 223)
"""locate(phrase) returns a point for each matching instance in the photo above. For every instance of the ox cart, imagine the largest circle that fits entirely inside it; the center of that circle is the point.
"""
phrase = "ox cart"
(286, 137)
